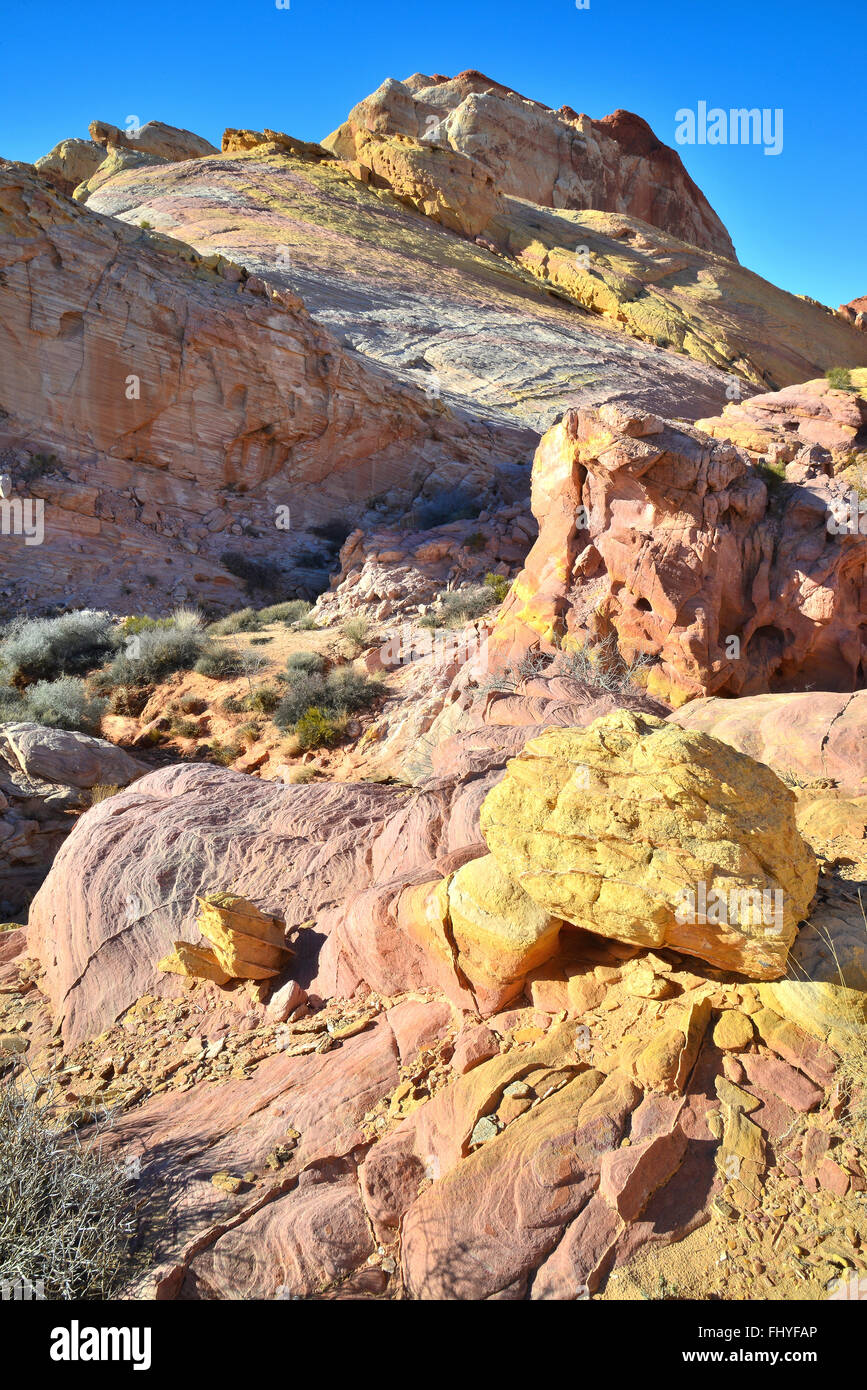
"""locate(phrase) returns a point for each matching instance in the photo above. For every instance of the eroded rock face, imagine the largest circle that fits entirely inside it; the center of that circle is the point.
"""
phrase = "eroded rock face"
(154, 138)
(191, 414)
(123, 888)
(70, 163)
(554, 158)
(781, 423)
(628, 827)
(727, 580)
(45, 776)
(809, 736)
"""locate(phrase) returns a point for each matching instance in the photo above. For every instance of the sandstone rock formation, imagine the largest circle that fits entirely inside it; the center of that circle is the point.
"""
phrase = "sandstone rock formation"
(46, 775)
(729, 580)
(290, 213)
(554, 158)
(194, 413)
(458, 319)
(154, 138)
(70, 163)
(779, 424)
(807, 737)
(615, 828)
(855, 312)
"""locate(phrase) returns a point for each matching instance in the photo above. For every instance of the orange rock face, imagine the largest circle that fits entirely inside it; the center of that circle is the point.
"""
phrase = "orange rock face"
(558, 159)
(724, 579)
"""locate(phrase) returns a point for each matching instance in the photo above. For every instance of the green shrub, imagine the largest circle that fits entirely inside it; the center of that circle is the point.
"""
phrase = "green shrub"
(305, 661)
(290, 613)
(348, 690)
(264, 700)
(316, 729)
(459, 606)
(357, 632)
(44, 648)
(245, 620)
(499, 584)
(68, 1216)
(221, 663)
(64, 704)
(153, 653)
(303, 689)
(840, 379)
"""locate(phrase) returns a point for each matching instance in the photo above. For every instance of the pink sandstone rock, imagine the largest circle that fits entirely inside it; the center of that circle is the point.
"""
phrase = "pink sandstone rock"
(629, 1177)
(768, 1077)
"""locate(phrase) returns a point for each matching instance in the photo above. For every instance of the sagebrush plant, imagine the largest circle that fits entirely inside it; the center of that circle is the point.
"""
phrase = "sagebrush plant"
(341, 692)
(153, 652)
(455, 607)
(62, 704)
(68, 1213)
(357, 632)
(33, 649)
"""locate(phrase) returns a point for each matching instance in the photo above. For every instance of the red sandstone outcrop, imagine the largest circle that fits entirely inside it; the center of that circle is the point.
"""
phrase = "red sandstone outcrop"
(855, 312)
(557, 159)
(727, 580)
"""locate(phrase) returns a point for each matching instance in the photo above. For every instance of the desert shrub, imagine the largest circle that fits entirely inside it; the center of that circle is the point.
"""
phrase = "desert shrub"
(333, 532)
(248, 733)
(357, 632)
(245, 620)
(220, 663)
(153, 653)
(459, 606)
(103, 792)
(499, 585)
(68, 1217)
(224, 753)
(43, 648)
(64, 704)
(128, 700)
(456, 504)
(303, 689)
(264, 700)
(601, 666)
(290, 613)
(300, 775)
(840, 379)
(316, 729)
(13, 707)
(348, 690)
(305, 661)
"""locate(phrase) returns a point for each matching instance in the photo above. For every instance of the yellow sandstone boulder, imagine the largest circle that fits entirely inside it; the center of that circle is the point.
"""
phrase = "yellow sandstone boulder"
(248, 944)
(501, 933)
(648, 833)
(196, 962)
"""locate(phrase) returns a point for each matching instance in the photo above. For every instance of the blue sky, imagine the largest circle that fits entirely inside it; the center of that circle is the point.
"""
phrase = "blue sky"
(798, 218)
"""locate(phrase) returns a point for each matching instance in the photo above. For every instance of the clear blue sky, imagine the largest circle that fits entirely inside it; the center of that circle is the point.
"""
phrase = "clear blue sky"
(798, 218)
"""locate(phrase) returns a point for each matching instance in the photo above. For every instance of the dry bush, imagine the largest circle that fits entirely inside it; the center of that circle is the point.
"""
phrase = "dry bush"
(68, 1216)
